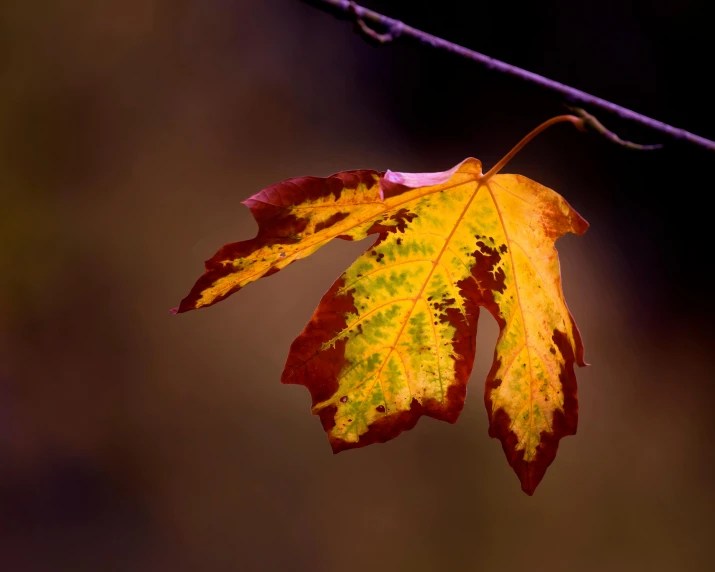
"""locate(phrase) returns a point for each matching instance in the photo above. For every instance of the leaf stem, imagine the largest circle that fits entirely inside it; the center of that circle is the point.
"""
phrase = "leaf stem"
(578, 122)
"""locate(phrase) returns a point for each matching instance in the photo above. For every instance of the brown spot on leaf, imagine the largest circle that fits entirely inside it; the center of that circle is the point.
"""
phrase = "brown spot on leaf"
(336, 218)
(486, 260)
(439, 306)
(401, 219)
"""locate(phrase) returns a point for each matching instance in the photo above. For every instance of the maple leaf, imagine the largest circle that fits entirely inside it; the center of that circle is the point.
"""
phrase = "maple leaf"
(394, 337)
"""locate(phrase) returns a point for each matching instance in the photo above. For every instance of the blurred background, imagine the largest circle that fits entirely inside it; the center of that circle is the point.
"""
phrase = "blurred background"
(134, 440)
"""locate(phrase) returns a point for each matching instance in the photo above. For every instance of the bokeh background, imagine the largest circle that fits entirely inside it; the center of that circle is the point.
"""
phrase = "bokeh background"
(134, 440)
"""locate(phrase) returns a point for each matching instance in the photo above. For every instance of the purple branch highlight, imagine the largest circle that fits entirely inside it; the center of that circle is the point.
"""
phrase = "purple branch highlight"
(345, 9)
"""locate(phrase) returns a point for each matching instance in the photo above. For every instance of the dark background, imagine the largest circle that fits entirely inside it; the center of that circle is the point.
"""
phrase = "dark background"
(134, 440)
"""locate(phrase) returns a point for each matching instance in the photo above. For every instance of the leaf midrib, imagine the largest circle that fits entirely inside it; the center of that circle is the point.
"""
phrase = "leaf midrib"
(523, 321)
(419, 296)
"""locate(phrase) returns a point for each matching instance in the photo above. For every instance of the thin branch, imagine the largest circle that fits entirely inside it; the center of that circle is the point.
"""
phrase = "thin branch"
(593, 124)
(346, 9)
(385, 38)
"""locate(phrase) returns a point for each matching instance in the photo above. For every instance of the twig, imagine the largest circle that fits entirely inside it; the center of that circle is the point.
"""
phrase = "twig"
(392, 33)
(595, 125)
(346, 9)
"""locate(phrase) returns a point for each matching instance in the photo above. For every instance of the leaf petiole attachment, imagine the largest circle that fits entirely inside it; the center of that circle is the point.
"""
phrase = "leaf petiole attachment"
(578, 122)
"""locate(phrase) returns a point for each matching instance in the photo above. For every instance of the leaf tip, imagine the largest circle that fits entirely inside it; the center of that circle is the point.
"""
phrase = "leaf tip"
(528, 489)
(578, 224)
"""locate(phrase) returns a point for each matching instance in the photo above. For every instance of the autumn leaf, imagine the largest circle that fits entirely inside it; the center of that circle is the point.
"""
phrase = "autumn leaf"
(394, 337)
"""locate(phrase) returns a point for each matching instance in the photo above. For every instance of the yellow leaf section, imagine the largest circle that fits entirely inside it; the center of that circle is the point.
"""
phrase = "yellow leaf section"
(287, 232)
(528, 218)
(466, 242)
(296, 218)
(400, 337)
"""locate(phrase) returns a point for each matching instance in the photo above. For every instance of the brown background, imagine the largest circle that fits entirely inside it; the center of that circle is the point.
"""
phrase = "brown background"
(133, 440)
